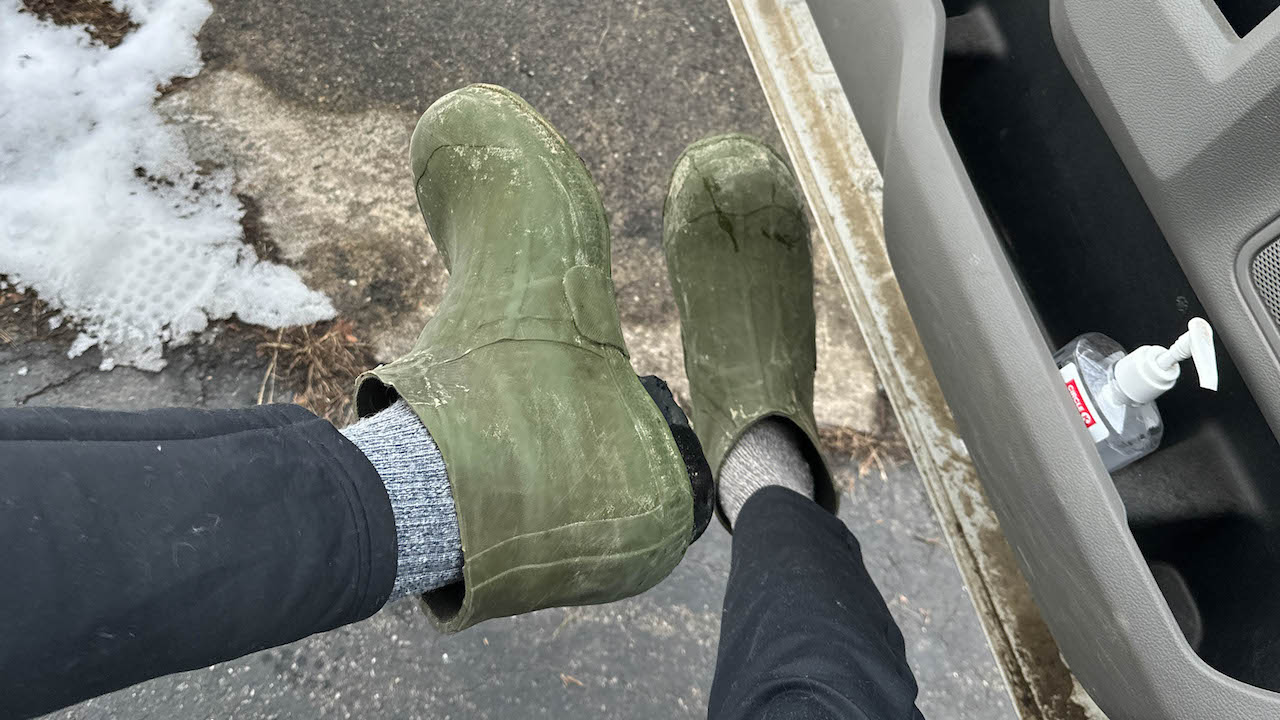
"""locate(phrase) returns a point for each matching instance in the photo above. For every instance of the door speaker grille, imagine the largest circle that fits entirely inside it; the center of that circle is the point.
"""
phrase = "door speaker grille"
(1265, 269)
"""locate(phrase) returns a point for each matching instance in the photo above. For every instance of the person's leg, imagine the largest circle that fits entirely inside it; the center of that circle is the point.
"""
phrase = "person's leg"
(136, 544)
(805, 633)
(514, 436)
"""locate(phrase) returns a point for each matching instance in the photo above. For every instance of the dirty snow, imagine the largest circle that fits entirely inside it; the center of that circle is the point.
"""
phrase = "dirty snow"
(102, 211)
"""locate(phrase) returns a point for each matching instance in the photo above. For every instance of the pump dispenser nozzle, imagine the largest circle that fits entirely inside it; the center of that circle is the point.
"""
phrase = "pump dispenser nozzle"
(1148, 372)
(1197, 344)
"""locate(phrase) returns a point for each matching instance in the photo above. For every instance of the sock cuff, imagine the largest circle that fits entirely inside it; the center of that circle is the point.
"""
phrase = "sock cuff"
(429, 545)
(768, 453)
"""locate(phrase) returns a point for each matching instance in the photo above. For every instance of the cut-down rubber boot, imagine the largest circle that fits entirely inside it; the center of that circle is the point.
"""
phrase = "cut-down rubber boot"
(737, 247)
(568, 484)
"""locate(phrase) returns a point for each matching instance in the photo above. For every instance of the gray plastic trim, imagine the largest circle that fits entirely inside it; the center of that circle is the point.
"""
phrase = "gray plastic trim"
(1266, 320)
(1056, 503)
(1194, 112)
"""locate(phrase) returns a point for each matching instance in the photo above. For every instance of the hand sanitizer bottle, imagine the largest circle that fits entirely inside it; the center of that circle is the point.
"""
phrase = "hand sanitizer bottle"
(1116, 392)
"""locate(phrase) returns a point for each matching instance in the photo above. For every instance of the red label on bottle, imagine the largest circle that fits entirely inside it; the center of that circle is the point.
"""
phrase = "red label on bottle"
(1080, 395)
(1081, 406)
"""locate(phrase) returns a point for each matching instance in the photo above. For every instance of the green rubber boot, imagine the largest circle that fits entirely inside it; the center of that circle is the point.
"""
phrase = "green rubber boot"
(568, 484)
(737, 246)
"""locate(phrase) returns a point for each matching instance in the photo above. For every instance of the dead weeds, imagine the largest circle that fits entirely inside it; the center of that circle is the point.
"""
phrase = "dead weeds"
(318, 363)
(880, 450)
(105, 23)
(25, 317)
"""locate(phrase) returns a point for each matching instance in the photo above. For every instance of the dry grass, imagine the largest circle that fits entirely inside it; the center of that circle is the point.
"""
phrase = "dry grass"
(878, 451)
(24, 317)
(105, 23)
(318, 363)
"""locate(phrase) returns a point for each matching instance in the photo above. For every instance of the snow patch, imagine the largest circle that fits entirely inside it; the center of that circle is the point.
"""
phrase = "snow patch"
(102, 211)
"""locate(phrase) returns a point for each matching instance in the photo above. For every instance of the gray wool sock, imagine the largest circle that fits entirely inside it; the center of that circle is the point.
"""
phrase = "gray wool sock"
(768, 453)
(410, 465)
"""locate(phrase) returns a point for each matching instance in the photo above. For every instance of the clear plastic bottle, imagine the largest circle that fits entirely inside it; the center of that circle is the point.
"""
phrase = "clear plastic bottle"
(1115, 391)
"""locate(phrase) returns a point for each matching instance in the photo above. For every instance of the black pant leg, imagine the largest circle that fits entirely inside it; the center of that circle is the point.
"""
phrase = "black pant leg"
(133, 545)
(805, 634)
